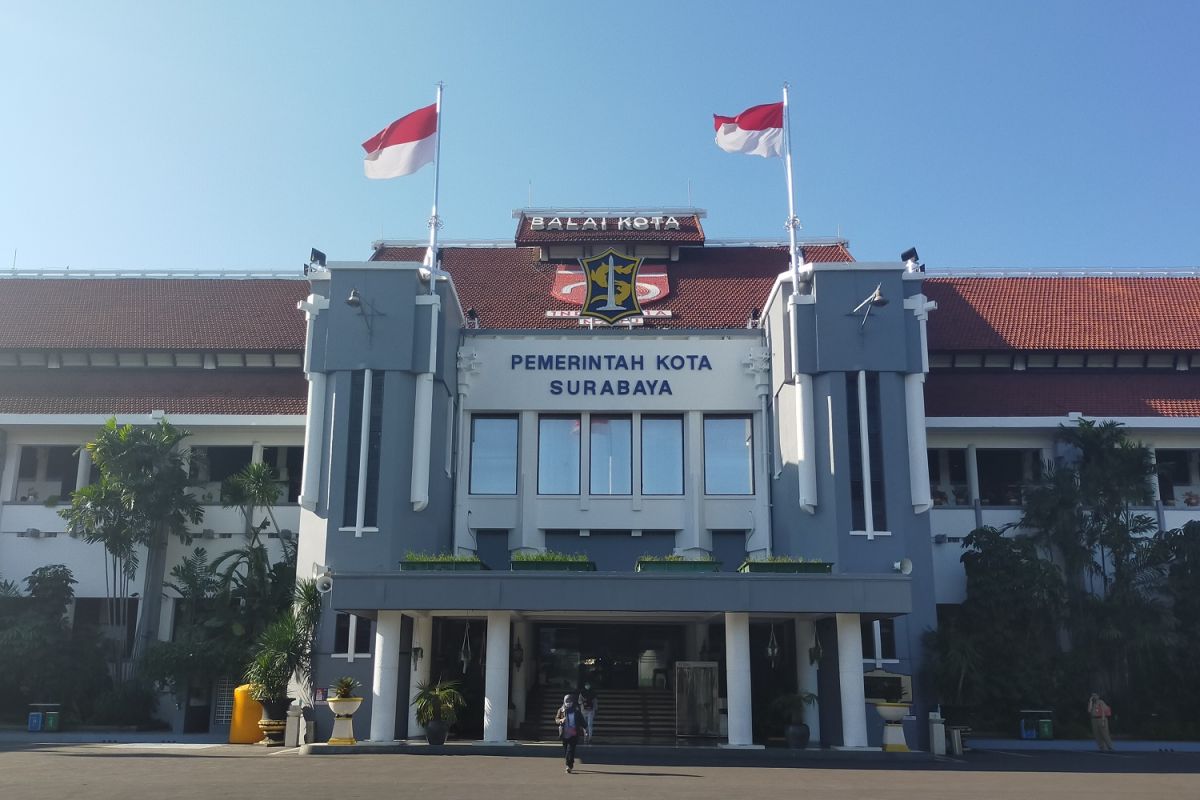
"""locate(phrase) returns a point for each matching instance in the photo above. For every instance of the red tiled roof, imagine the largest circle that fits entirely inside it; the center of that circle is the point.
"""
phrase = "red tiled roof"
(711, 287)
(1064, 313)
(1032, 394)
(132, 391)
(152, 314)
(690, 232)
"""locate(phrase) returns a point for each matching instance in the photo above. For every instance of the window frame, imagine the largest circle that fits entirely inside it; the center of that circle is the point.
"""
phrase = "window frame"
(578, 419)
(516, 475)
(748, 419)
(683, 453)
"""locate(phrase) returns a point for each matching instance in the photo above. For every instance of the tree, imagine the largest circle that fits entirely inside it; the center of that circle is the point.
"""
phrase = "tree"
(140, 501)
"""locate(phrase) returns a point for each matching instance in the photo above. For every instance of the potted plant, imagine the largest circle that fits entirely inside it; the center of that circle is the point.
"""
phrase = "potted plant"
(786, 564)
(451, 562)
(549, 560)
(437, 707)
(343, 704)
(791, 706)
(283, 653)
(676, 563)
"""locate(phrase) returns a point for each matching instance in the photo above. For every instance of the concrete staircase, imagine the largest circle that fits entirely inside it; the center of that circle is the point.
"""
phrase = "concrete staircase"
(623, 716)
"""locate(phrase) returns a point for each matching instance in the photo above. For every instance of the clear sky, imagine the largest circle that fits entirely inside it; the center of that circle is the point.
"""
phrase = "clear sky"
(225, 133)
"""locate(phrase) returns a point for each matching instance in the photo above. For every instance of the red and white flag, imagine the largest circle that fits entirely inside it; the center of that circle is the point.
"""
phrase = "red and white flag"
(403, 147)
(757, 131)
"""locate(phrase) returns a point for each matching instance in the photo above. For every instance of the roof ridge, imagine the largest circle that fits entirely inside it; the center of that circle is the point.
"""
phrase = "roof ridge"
(153, 274)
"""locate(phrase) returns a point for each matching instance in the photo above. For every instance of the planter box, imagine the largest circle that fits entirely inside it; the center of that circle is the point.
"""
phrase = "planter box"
(677, 566)
(441, 566)
(789, 567)
(552, 566)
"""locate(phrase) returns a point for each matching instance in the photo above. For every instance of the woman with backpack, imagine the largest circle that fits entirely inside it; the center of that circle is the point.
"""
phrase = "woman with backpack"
(571, 723)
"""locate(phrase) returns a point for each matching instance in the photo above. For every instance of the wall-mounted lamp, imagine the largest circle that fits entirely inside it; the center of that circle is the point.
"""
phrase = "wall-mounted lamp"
(355, 299)
(417, 654)
(874, 300)
(772, 648)
(365, 308)
(518, 654)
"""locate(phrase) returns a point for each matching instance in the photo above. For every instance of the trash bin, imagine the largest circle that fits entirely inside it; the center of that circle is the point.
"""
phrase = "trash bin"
(35, 721)
(1045, 729)
(937, 734)
(956, 739)
(51, 721)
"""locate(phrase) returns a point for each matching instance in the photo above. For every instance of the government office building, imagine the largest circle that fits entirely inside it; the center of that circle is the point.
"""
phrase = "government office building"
(866, 422)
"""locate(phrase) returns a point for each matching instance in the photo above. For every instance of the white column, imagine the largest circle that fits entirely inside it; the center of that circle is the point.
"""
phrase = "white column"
(495, 679)
(422, 640)
(850, 678)
(972, 474)
(385, 677)
(41, 465)
(83, 472)
(918, 447)
(256, 453)
(737, 679)
(806, 674)
(314, 430)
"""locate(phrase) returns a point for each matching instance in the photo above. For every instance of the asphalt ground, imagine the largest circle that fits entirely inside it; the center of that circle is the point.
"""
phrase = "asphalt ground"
(202, 772)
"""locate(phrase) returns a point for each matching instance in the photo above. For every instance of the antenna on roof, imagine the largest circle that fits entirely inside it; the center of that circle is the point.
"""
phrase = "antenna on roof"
(14, 266)
(689, 192)
(529, 195)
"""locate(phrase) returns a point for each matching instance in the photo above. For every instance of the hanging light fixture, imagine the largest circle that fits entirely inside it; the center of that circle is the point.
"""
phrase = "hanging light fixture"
(464, 653)
(518, 654)
(773, 648)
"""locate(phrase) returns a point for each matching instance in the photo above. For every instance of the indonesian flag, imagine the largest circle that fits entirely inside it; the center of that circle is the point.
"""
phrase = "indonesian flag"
(757, 131)
(403, 147)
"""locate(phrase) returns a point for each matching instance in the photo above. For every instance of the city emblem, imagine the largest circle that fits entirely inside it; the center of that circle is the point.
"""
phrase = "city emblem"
(611, 278)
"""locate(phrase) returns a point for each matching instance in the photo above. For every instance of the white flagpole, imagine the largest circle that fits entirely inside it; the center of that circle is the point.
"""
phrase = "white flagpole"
(792, 222)
(435, 221)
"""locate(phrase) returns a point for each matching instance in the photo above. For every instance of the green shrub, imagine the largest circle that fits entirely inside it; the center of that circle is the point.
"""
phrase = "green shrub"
(549, 555)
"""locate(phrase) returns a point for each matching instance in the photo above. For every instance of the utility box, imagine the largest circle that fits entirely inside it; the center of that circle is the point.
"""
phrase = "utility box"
(937, 734)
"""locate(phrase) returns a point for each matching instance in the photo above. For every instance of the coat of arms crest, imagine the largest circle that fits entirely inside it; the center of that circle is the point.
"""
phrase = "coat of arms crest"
(611, 278)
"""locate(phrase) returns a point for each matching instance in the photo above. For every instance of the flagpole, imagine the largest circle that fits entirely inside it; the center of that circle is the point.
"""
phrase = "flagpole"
(435, 221)
(792, 221)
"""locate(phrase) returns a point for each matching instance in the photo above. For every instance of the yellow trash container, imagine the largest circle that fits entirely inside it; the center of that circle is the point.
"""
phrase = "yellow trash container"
(243, 727)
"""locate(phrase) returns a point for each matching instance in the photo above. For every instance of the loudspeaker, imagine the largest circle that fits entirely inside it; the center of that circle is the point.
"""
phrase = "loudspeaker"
(325, 584)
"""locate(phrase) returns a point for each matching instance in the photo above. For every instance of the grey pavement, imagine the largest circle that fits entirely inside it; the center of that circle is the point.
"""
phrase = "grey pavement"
(200, 770)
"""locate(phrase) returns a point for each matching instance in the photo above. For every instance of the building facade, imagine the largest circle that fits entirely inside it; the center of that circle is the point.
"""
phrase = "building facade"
(859, 416)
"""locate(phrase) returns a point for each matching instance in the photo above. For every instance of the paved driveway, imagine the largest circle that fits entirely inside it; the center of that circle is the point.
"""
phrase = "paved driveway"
(202, 772)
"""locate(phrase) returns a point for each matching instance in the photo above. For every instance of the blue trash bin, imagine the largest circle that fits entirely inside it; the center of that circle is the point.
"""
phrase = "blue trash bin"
(35, 721)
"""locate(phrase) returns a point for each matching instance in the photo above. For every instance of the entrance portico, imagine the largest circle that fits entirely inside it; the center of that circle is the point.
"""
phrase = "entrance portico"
(640, 651)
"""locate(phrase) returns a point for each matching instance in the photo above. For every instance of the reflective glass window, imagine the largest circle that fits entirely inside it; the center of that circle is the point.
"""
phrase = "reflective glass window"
(662, 455)
(728, 455)
(558, 455)
(494, 455)
(611, 455)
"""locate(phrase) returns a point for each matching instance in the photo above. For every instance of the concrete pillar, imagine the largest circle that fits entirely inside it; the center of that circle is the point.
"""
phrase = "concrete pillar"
(42, 464)
(806, 674)
(256, 453)
(523, 631)
(422, 654)
(737, 677)
(495, 678)
(83, 472)
(385, 676)
(850, 680)
(972, 474)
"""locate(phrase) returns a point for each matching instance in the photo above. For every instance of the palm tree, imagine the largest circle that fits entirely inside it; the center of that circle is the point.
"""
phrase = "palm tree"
(139, 499)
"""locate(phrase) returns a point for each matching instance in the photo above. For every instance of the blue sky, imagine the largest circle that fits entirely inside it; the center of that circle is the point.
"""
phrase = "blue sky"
(197, 135)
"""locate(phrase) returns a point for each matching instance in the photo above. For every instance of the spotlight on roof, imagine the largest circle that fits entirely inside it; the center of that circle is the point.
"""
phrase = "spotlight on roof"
(752, 320)
(911, 260)
(472, 318)
(355, 299)
(317, 258)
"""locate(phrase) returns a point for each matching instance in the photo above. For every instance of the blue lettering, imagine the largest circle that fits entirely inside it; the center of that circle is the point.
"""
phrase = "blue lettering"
(661, 362)
(705, 364)
(515, 360)
(637, 362)
(556, 387)
(666, 388)
(589, 387)
(677, 362)
(622, 387)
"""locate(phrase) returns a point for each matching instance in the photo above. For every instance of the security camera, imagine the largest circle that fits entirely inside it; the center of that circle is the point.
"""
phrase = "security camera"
(325, 584)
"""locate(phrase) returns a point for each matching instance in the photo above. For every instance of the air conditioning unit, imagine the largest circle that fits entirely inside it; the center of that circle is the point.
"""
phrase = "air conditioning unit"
(32, 533)
(208, 533)
(940, 538)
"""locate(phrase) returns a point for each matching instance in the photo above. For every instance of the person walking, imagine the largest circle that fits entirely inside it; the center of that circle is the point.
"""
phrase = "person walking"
(1099, 712)
(587, 699)
(571, 722)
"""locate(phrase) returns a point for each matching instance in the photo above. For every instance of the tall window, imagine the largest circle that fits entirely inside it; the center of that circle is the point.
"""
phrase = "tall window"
(353, 449)
(1004, 473)
(874, 439)
(728, 455)
(493, 455)
(348, 630)
(611, 455)
(45, 472)
(558, 454)
(662, 455)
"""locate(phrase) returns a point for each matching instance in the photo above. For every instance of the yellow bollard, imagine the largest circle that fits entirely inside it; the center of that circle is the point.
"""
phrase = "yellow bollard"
(243, 727)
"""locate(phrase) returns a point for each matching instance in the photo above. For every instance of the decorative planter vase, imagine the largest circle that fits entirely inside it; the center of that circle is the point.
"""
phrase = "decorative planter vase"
(788, 567)
(552, 566)
(274, 721)
(893, 728)
(797, 735)
(441, 566)
(343, 709)
(435, 732)
(676, 566)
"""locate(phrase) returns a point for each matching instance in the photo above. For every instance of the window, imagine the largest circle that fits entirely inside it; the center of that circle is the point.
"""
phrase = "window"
(662, 455)
(493, 455)
(948, 477)
(858, 477)
(611, 455)
(879, 640)
(353, 450)
(350, 628)
(1003, 473)
(728, 455)
(1178, 482)
(47, 471)
(558, 455)
(288, 463)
